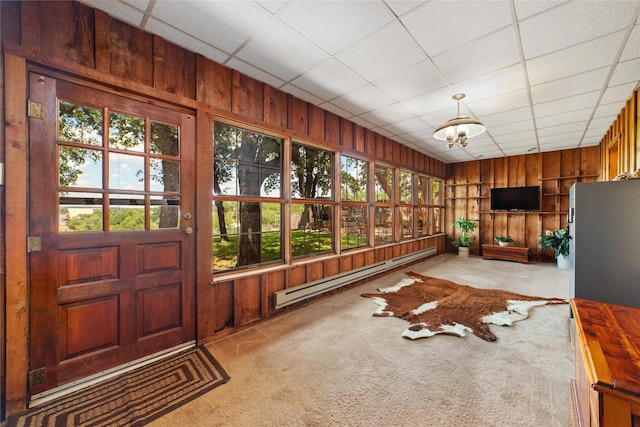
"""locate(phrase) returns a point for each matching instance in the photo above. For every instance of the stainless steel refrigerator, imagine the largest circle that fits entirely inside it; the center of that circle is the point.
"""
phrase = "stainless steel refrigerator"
(604, 256)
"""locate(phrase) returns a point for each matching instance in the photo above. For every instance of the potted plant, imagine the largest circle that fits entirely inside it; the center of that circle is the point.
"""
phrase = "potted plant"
(463, 243)
(559, 241)
(503, 240)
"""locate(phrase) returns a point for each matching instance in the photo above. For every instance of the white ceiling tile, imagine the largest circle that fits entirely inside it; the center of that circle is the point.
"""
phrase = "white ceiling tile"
(506, 117)
(329, 79)
(590, 142)
(602, 122)
(363, 99)
(437, 100)
(131, 13)
(618, 93)
(412, 124)
(230, 24)
(279, 50)
(495, 83)
(301, 94)
(525, 8)
(400, 7)
(410, 82)
(565, 138)
(565, 104)
(490, 53)
(382, 53)
(252, 71)
(180, 38)
(525, 125)
(608, 110)
(574, 60)
(384, 132)
(334, 25)
(560, 129)
(271, 5)
(632, 48)
(515, 136)
(336, 110)
(516, 151)
(567, 117)
(388, 114)
(626, 72)
(434, 25)
(569, 86)
(362, 122)
(501, 103)
(519, 143)
(573, 23)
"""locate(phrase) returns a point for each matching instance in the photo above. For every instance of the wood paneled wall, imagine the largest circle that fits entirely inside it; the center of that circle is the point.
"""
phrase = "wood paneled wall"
(621, 145)
(72, 41)
(468, 187)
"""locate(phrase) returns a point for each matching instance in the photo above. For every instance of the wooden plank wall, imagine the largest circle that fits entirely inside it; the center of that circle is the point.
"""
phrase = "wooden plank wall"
(468, 187)
(623, 137)
(90, 47)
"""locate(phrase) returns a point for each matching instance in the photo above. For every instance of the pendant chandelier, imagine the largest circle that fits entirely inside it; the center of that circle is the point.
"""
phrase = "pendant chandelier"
(458, 130)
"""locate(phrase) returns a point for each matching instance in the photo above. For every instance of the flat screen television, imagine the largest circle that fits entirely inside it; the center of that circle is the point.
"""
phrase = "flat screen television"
(515, 199)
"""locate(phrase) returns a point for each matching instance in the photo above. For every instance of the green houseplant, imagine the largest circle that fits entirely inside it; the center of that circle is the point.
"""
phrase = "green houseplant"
(466, 227)
(559, 241)
(503, 240)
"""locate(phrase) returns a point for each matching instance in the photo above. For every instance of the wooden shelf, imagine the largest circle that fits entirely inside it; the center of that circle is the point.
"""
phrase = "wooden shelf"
(554, 178)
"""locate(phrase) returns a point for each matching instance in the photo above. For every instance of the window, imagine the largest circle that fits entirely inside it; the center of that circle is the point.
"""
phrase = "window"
(406, 204)
(436, 206)
(383, 190)
(422, 210)
(142, 191)
(311, 185)
(354, 218)
(247, 198)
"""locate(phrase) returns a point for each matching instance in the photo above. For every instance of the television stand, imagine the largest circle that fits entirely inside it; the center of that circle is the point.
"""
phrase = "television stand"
(506, 253)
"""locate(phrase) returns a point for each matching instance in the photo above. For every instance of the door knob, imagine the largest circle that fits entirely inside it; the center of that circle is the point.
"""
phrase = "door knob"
(187, 230)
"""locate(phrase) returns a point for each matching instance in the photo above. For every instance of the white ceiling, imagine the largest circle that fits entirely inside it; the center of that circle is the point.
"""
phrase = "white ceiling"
(541, 75)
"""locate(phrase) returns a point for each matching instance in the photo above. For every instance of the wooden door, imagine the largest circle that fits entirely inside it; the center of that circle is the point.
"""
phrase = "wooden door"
(111, 197)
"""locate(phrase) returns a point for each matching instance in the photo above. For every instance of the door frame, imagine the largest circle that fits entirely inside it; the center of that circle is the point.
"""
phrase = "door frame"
(16, 143)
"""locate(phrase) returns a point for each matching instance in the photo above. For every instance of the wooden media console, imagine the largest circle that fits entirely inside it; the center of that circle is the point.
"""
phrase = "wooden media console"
(507, 253)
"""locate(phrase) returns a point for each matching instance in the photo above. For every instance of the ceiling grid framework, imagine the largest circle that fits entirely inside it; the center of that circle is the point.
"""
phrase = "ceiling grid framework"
(541, 75)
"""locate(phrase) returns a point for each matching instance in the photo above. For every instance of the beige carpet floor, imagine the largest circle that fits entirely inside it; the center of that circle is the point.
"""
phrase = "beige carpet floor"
(334, 364)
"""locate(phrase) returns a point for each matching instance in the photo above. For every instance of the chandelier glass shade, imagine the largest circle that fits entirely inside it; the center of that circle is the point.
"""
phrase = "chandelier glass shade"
(458, 130)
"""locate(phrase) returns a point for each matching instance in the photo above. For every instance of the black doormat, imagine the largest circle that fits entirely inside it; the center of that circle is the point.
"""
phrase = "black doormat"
(134, 398)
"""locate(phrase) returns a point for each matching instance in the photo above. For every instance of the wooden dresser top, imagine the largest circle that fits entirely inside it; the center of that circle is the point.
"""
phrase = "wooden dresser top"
(610, 337)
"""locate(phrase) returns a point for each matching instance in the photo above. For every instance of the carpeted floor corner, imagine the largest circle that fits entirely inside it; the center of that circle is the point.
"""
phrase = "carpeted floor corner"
(134, 398)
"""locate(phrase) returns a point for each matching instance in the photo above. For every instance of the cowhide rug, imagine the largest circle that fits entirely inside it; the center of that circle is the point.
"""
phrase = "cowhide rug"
(437, 306)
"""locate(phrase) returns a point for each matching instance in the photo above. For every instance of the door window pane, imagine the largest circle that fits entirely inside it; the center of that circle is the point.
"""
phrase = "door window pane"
(79, 167)
(165, 212)
(164, 139)
(80, 212)
(164, 175)
(126, 132)
(126, 172)
(79, 123)
(126, 212)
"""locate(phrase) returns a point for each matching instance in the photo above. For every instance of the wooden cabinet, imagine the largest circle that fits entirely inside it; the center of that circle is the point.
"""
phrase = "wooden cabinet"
(606, 390)
(506, 253)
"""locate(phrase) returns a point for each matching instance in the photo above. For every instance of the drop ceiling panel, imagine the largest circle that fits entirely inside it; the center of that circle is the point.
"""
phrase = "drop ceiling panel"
(334, 25)
(434, 24)
(382, 53)
(279, 50)
(229, 24)
(547, 74)
(490, 53)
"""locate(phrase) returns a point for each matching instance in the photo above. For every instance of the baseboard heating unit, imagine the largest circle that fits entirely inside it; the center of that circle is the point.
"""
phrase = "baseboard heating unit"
(299, 293)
